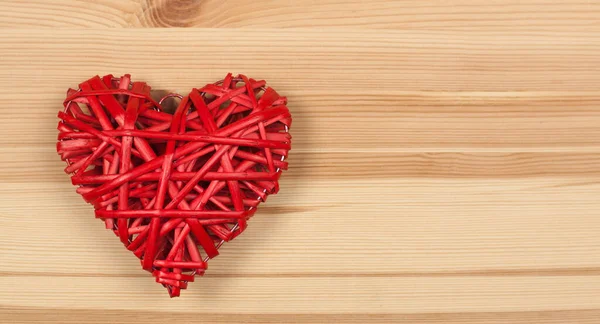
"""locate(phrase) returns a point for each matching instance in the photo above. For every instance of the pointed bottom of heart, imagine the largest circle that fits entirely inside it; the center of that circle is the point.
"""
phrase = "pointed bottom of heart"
(177, 262)
(174, 282)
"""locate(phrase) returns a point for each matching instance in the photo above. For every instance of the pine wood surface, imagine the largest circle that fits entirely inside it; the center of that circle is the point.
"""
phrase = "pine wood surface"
(445, 165)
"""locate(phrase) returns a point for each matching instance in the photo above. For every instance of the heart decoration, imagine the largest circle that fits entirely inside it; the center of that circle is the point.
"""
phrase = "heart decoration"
(174, 187)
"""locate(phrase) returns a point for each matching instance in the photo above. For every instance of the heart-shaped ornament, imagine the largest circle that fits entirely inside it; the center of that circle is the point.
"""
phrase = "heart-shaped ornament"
(174, 187)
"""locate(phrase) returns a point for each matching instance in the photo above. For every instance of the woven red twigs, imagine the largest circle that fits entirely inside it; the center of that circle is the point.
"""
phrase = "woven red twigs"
(174, 187)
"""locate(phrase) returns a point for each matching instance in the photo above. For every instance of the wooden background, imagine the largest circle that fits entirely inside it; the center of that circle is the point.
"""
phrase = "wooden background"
(445, 168)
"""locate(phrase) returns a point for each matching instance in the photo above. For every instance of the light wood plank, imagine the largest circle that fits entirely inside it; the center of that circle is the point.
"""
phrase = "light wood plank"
(451, 122)
(395, 227)
(41, 163)
(315, 295)
(26, 315)
(505, 15)
(350, 62)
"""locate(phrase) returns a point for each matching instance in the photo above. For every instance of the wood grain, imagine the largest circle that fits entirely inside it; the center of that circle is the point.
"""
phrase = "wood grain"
(445, 166)
(34, 315)
(434, 91)
(458, 15)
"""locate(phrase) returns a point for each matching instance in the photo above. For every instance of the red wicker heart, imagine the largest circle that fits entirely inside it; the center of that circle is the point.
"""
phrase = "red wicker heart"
(174, 187)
